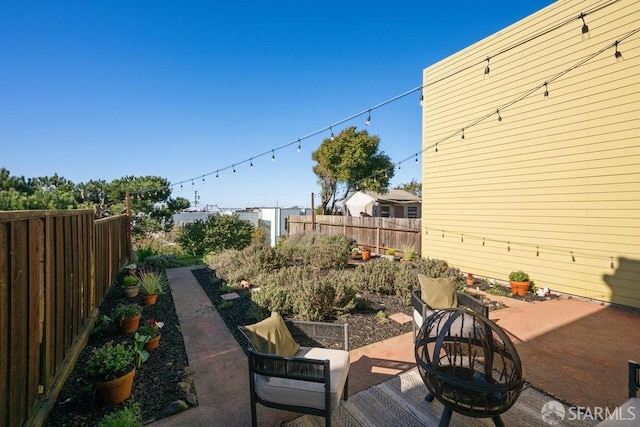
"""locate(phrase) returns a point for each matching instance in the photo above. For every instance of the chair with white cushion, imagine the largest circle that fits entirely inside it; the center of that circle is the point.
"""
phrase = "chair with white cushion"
(438, 294)
(284, 375)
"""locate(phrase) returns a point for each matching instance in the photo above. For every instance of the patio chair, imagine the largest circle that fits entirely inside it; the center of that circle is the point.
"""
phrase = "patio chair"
(309, 380)
(421, 310)
(629, 413)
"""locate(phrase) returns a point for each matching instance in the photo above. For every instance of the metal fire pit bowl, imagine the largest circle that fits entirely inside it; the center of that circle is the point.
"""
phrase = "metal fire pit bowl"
(469, 364)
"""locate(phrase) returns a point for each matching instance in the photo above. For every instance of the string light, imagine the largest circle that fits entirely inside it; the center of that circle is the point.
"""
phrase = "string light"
(499, 116)
(487, 69)
(192, 183)
(181, 186)
(299, 145)
(585, 28)
(251, 163)
(368, 121)
(462, 137)
(203, 179)
(436, 147)
(273, 156)
(216, 174)
(234, 170)
(618, 54)
(416, 159)
(518, 43)
(332, 135)
(546, 91)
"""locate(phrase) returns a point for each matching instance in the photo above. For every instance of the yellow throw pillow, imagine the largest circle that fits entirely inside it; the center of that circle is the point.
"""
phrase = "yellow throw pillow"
(272, 336)
(438, 293)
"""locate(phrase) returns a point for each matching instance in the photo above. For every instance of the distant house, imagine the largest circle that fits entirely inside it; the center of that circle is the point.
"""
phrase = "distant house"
(392, 204)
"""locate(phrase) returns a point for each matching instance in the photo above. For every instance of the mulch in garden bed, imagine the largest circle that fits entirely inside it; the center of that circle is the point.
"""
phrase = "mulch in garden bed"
(365, 325)
(156, 385)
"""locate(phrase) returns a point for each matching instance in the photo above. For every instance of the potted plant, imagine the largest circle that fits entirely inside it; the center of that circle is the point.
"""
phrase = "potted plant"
(151, 330)
(152, 285)
(470, 280)
(111, 370)
(366, 253)
(520, 282)
(409, 253)
(355, 253)
(131, 285)
(127, 317)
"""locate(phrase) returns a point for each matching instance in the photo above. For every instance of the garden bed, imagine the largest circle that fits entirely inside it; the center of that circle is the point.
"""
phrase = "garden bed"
(156, 385)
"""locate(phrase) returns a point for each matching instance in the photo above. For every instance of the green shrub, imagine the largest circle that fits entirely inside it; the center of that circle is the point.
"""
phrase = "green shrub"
(378, 276)
(272, 297)
(216, 233)
(323, 251)
(314, 302)
(162, 261)
(129, 416)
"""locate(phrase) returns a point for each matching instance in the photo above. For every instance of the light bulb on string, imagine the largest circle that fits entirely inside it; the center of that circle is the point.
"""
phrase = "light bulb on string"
(181, 186)
(462, 137)
(436, 147)
(585, 28)
(203, 180)
(546, 91)
(368, 121)
(251, 163)
(399, 167)
(499, 116)
(333, 137)
(192, 183)
(216, 174)
(487, 69)
(234, 170)
(299, 145)
(421, 97)
(416, 159)
(618, 54)
(273, 156)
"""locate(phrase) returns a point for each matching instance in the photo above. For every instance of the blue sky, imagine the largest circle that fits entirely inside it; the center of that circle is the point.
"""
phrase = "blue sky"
(105, 89)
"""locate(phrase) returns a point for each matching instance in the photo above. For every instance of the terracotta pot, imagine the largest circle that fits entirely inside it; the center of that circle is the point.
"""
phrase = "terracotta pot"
(132, 291)
(129, 325)
(519, 288)
(470, 282)
(114, 391)
(152, 344)
(366, 255)
(149, 299)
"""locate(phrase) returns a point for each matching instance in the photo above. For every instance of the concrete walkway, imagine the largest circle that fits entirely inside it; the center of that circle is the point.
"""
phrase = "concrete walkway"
(573, 349)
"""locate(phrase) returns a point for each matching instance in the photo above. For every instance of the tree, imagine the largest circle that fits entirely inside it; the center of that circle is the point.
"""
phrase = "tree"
(350, 159)
(178, 204)
(413, 187)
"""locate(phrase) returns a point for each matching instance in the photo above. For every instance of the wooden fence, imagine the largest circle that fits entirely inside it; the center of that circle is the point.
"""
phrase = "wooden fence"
(379, 234)
(55, 268)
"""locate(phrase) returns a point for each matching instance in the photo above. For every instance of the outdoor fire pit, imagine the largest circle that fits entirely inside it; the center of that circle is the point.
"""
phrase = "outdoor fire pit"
(469, 364)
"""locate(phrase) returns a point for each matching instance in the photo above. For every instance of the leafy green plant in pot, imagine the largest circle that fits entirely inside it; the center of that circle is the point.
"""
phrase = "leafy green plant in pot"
(111, 370)
(151, 330)
(152, 284)
(520, 282)
(409, 253)
(131, 286)
(127, 317)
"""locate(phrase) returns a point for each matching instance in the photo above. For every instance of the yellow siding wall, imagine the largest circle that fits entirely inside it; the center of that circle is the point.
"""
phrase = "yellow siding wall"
(554, 189)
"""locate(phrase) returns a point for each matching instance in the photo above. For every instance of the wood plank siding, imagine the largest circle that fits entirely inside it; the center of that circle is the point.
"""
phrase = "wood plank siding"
(553, 188)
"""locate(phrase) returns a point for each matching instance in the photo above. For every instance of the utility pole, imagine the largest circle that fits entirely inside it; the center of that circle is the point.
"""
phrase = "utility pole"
(196, 198)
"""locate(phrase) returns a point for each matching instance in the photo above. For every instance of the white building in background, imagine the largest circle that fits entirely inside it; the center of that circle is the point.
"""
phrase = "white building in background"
(273, 220)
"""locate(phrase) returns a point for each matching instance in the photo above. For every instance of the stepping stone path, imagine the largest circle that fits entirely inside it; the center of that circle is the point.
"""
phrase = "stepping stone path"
(400, 318)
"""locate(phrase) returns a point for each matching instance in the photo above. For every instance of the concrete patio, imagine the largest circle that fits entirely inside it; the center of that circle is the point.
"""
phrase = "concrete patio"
(572, 349)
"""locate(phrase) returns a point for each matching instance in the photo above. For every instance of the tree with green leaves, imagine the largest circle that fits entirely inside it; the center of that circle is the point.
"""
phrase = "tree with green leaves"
(414, 187)
(348, 162)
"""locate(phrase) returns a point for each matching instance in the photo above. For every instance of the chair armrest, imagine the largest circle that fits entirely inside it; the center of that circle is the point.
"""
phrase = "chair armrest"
(418, 304)
(320, 330)
(634, 378)
(473, 303)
